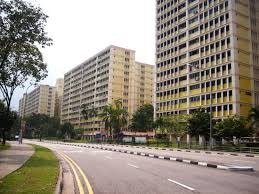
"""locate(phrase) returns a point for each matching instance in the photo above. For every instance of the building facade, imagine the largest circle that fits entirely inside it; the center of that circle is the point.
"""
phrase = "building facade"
(207, 54)
(59, 96)
(109, 75)
(40, 101)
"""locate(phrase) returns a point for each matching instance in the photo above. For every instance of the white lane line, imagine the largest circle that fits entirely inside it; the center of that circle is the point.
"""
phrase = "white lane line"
(133, 166)
(185, 186)
(108, 157)
(73, 151)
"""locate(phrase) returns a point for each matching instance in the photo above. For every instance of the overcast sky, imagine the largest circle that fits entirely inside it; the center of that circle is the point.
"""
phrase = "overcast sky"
(81, 28)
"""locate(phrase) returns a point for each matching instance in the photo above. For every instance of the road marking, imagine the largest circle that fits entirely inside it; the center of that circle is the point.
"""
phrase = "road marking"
(108, 157)
(73, 151)
(88, 185)
(133, 166)
(185, 186)
(79, 184)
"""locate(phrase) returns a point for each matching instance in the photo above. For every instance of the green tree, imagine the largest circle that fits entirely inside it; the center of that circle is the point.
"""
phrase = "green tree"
(106, 114)
(21, 33)
(142, 119)
(254, 117)
(160, 125)
(37, 124)
(176, 125)
(233, 126)
(67, 130)
(115, 117)
(7, 120)
(199, 124)
(89, 111)
(119, 119)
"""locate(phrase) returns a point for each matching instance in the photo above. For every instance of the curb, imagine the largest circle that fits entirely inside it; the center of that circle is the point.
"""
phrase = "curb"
(199, 163)
(59, 185)
(66, 184)
(187, 150)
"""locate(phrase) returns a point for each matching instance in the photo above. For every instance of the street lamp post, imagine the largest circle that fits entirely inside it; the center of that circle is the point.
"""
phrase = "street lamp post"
(210, 141)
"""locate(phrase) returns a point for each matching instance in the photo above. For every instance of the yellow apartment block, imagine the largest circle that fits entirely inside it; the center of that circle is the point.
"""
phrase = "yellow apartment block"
(40, 101)
(59, 96)
(111, 74)
(207, 52)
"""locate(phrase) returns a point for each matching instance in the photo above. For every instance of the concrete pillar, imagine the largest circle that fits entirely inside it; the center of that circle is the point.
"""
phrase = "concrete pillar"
(188, 139)
(223, 141)
(213, 142)
(235, 140)
(170, 137)
(201, 140)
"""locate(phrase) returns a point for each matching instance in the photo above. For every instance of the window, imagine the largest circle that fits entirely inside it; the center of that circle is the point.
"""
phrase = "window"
(193, 20)
(194, 52)
(194, 87)
(193, 30)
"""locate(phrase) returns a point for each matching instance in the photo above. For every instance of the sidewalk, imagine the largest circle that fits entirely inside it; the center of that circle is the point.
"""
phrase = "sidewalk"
(14, 157)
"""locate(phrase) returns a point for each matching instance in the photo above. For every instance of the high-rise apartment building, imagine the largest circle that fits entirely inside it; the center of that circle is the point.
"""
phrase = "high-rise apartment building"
(143, 74)
(40, 101)
(207, 53)
(59, 96)
(111, 74)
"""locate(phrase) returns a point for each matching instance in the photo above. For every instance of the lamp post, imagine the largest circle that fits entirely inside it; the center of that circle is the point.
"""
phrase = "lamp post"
(210, 141)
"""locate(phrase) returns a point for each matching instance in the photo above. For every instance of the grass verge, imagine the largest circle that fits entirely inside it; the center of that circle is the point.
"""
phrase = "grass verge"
(4, 147)
(38, 175)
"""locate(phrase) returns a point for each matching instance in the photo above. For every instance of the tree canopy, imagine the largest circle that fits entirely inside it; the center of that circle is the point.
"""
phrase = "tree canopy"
(142, 119)
(233, 126)
(7, 120)
(199, 124)
(21, 33)
(254, 116)
(115, 117)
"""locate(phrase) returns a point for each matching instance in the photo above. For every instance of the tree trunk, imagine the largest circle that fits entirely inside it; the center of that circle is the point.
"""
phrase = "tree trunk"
(3, 135)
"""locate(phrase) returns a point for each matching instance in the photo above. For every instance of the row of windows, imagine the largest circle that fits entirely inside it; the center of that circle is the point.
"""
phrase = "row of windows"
(216, 95)
(202, 61)
(214, 109)
(172, 3)
(205, 15)
(207, 84)
(227, 107)
(214, 45)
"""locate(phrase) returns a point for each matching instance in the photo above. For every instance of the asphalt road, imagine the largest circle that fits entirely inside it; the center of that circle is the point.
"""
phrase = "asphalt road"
(239, 160)
(113, 172)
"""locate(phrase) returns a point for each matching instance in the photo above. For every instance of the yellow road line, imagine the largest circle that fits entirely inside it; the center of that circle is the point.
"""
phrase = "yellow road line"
(80, 187)
(89, 187)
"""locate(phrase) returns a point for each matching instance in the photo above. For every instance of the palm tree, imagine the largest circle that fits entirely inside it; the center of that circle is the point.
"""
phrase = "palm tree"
(120, 118)
(114, 117)
(106, 115)
(89, 111)
(254, 116)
